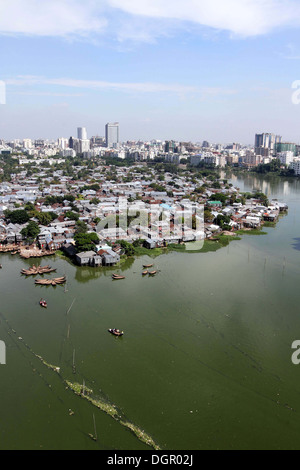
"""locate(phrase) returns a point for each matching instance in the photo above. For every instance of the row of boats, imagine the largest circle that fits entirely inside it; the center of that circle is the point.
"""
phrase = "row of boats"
(37, 270)
(151, 273)
(51, 282)
(117, 277)
(144, 273)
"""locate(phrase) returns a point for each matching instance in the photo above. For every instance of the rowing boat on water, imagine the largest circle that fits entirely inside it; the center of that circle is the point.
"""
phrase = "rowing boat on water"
(147, 265)
(152, 273)
(116, 332)
(117, 276)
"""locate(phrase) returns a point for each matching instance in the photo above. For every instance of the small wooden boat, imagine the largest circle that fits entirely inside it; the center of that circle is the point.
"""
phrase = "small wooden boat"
(116, 332)
(147, 265)
(152, 273)
(117, 276)
(51, 282)
(43, 303)
(144, 273)
(33, 271)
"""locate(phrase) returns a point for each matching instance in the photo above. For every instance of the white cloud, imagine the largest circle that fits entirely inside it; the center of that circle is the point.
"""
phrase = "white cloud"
(51, 17)
(91, 18)
(241, 17)
(138, 87)
(147, 87)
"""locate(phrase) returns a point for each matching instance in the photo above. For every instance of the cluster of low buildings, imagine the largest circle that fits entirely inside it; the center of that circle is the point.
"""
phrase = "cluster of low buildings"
(135, 190)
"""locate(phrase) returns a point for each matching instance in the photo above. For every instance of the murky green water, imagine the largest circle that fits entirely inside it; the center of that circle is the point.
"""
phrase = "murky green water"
(205, 362)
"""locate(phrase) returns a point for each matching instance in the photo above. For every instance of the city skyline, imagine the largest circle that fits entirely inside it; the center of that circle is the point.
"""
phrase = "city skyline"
(188, 74)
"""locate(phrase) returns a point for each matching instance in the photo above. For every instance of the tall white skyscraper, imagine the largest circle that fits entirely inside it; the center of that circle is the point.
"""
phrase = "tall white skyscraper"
(84, 145)
(27, 144)
(81, 133)
(62, 143)
(112, 135)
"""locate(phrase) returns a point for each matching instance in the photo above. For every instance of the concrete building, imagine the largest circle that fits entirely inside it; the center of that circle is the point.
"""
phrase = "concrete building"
(265, 144)
(295, 165)
(112, 135)
(286, 158)
(82, 133)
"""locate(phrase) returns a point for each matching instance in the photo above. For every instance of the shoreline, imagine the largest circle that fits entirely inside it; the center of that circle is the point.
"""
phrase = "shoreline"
(210, 246)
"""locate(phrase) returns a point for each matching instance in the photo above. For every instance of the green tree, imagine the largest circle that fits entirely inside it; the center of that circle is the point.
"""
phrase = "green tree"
(208, 216)
(45, 218)
(17, 217)
(85, 241)
(223, 221)
(219, 197)
(31, 231)
(72, 215)
(95, 201)
(127, 247)
(81, 227)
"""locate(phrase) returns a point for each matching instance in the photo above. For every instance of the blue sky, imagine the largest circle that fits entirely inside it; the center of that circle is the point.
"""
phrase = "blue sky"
(217, 70)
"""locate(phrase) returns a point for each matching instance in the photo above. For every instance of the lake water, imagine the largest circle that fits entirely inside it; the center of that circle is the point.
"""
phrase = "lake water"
(205, 362)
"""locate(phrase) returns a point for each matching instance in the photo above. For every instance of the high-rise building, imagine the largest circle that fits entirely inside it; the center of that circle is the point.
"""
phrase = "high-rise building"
(84, 145)
(112, 135)
(27, 144)
(286, 147)
(39, 143)
(266, 143)
(62, 143)
(170, 146)
(81, 133)
(71, 142)
(97, 141)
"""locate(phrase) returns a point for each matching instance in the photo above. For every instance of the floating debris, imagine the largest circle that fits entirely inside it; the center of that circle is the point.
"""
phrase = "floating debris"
(140, 434)
(79, 389)
(49, 366)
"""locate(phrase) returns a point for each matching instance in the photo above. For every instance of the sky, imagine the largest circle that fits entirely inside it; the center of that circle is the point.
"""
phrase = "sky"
(187, 70)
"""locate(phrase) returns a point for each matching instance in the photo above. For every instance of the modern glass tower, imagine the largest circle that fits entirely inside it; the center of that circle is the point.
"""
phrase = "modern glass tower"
(112, 133)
